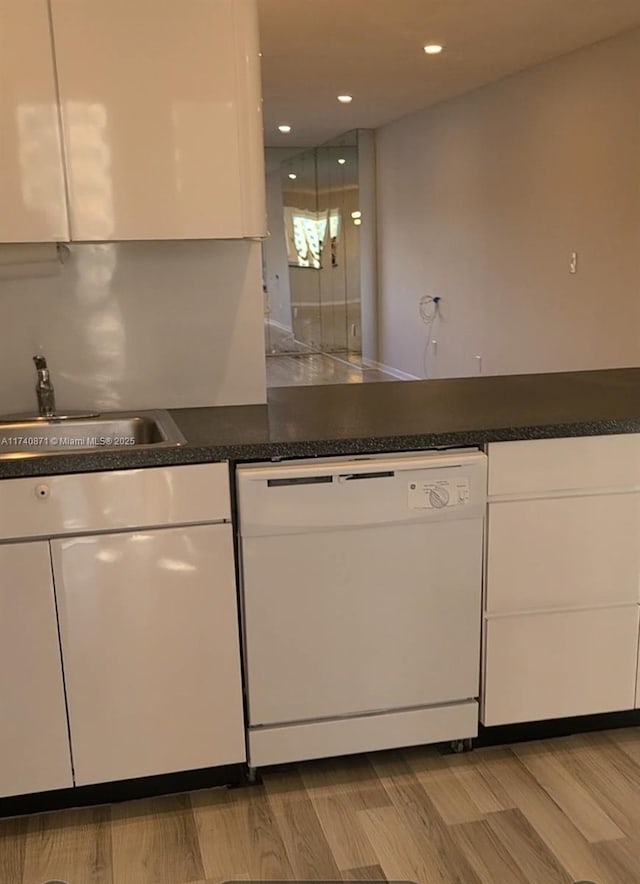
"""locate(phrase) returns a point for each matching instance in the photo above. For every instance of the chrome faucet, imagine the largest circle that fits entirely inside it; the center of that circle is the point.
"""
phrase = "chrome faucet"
(44, 389)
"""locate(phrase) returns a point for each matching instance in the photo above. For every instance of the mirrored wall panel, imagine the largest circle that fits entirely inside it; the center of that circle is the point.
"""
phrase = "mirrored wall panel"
(312, 260)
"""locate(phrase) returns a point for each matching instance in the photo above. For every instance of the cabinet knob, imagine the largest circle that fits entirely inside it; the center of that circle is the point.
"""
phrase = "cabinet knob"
(42, 491)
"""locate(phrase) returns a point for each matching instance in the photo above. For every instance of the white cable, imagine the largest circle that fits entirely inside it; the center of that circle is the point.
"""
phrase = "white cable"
(429, 309)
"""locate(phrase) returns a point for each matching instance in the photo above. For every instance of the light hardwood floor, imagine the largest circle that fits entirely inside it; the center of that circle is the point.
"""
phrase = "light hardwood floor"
(551, 812)
(293, 371)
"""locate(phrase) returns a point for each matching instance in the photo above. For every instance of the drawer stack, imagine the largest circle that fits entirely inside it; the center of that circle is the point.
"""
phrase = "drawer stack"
(561, 607)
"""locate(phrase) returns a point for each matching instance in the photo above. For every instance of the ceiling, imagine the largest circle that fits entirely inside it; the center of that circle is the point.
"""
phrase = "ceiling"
(331, 166)
(317, 171)
(314, 50)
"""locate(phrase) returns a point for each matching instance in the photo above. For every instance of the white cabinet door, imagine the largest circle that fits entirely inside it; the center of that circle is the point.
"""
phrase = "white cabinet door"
(149, 631)
(542, 666)
(563, 552)
(32, 193)
(34, 740)
(161, 117)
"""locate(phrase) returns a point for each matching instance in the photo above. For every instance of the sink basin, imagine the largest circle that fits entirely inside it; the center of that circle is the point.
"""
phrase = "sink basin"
(122, 431)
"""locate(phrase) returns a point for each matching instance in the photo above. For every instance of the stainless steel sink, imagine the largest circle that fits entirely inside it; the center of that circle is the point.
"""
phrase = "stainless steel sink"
(114, 431)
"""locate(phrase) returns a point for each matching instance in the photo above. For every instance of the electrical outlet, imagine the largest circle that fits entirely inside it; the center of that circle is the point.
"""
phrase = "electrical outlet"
(573, 266)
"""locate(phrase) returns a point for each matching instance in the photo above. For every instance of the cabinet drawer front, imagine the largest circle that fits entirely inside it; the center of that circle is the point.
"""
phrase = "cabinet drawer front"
(546, 666)
(589, 462)
(113, 501)
(563, 552)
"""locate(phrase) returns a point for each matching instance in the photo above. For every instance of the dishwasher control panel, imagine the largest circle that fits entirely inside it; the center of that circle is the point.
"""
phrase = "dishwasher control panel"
(438, 494)
(331, 494)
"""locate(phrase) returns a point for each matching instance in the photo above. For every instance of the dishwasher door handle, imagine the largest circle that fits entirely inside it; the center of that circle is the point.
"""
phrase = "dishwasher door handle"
(301, 480)
(350, 477)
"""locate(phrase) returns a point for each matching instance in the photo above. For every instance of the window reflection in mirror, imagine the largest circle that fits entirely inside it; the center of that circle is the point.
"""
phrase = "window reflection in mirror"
(312, 260)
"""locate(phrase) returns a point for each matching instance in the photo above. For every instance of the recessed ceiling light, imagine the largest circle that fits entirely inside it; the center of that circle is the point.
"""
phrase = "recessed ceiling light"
(356, 214)
(345, 99)
(293, 176)
(284, 129)
(433, 49)
(357, 221)
(342, 161)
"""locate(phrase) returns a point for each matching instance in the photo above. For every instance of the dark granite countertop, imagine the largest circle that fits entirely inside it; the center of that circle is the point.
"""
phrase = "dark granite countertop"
(368, 418)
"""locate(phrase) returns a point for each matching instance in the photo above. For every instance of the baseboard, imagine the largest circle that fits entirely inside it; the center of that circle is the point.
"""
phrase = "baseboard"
(316, 306)
(499, 735)
(235, 774)
(280, 326)
(123, 790)
(387, 369)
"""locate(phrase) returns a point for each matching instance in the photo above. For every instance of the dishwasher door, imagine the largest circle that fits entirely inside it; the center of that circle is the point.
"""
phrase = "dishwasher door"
(361, 585)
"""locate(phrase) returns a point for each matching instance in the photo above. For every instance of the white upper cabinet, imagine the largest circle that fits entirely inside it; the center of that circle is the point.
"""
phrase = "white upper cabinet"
(32, 194)
(161, 116)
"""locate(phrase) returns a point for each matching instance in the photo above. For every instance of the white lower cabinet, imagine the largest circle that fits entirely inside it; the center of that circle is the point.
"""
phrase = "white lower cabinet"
(119, 644)
(148, 627)
(34, 743)
(560, 664)
(561, 618)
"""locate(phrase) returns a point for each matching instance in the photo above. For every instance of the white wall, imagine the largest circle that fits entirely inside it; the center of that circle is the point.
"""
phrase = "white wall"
(138, 325)
(481, 201)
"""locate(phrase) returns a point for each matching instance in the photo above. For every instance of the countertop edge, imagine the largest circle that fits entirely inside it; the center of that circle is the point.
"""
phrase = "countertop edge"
(191, 453)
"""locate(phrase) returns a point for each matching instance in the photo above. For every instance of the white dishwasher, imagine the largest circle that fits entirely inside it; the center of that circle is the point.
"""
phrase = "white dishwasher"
(361, 590)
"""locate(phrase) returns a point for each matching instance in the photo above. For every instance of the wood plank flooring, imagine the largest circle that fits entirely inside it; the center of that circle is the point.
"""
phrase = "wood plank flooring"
(550, 812)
